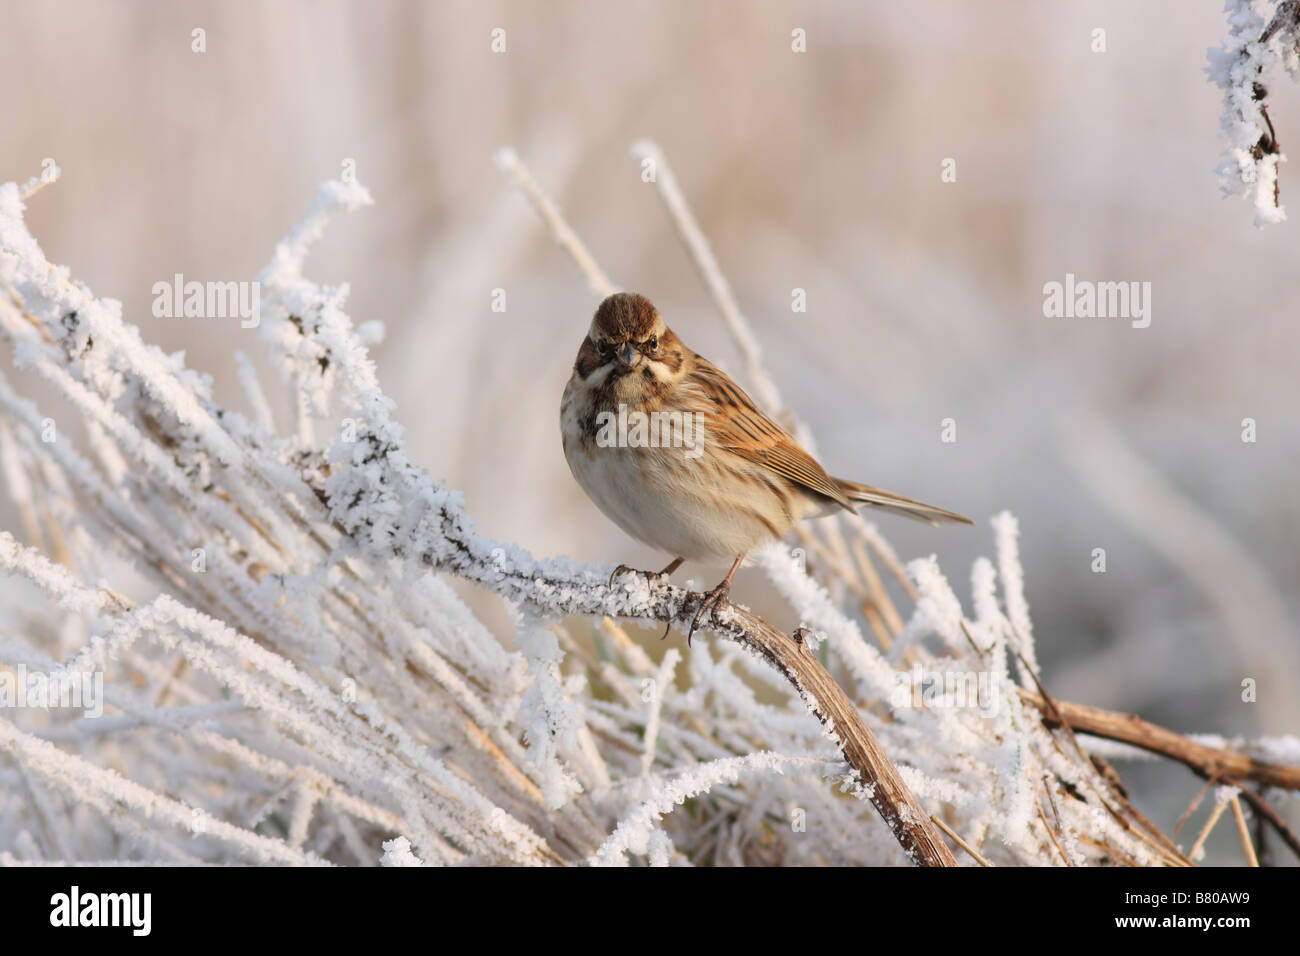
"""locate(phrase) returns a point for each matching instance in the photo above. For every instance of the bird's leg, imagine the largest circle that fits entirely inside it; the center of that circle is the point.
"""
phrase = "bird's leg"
(673, 566)
(713, 598)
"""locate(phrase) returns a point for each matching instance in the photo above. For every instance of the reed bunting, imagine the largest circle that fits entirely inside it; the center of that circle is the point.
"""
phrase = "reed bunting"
(675, 454)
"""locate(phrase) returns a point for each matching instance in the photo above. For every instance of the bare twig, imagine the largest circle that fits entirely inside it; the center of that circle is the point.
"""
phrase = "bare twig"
(952, 835)
(1131, 729)
(1267, 814)
(1239, 818)
(1052, 834)
(1219, 807)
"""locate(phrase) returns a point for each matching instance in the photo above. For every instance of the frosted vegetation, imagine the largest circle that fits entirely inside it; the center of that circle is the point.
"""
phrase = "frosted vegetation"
(1241, 67)
(290, 678)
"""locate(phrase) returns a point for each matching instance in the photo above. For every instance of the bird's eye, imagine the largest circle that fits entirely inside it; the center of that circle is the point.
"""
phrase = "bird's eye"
(605, 349)
(654, 342)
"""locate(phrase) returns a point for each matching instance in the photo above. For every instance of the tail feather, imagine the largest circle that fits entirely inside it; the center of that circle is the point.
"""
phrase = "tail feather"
(897, 504)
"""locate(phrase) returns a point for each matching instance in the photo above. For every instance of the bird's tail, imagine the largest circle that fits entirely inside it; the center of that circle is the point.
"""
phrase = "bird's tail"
(897, 504)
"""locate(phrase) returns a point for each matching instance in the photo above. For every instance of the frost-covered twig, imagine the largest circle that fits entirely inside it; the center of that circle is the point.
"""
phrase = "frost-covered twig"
(1240, 67)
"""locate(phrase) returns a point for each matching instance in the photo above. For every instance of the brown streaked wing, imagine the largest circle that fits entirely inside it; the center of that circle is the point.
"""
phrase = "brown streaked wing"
(732, 421)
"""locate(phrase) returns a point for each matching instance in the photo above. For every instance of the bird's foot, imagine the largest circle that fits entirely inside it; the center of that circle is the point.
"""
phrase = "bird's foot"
(621, 570)
(652, 578)
(711, 600)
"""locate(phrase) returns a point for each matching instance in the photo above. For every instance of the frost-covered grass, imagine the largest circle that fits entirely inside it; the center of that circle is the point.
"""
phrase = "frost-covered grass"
(290, 678)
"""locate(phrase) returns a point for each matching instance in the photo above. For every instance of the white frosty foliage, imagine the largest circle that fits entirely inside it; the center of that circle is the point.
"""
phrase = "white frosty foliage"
(1240, 67)
(634, 833)
(397, 852)
(313, 688)
(547, 714)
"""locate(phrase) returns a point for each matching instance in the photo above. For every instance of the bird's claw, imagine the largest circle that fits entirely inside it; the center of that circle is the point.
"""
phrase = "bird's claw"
(652, 578)
(711, 600)
(619, 571)
(655, 579)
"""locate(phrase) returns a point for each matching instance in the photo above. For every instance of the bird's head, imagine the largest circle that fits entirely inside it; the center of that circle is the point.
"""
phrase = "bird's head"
(629, 341)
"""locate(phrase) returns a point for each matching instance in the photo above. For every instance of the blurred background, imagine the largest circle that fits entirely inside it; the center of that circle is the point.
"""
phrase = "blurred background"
(816, 170)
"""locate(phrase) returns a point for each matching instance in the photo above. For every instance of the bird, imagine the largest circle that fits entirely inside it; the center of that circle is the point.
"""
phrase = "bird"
(675, 453)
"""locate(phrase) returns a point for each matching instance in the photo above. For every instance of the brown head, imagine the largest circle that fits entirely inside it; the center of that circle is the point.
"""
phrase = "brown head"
(625, 317)
(629, 347)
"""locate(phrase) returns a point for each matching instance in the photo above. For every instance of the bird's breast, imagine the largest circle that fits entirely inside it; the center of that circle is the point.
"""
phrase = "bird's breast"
(651, 470)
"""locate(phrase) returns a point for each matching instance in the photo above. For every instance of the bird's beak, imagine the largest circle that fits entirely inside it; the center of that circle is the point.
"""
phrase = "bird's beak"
(628, 355)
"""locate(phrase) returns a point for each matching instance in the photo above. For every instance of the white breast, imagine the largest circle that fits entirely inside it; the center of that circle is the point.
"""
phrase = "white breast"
(663, 496)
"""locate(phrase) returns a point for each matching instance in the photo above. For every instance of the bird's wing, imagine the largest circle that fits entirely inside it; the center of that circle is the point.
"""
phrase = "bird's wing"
(733, 422)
